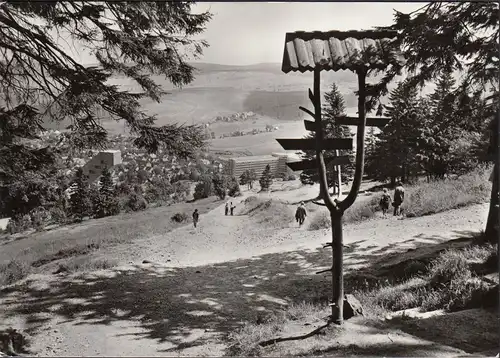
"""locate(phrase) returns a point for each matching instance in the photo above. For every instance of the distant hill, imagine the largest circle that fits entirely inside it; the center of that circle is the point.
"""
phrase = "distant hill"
(225, 89)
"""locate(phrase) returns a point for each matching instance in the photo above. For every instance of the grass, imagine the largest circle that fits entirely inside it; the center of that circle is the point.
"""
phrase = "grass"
(76, 244)
(421, 199)
(245, 342)
(270, 213)
(448, 282)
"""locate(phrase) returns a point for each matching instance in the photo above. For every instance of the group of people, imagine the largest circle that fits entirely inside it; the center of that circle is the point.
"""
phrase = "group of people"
(399, 196)
(301, 213)
(228, 209)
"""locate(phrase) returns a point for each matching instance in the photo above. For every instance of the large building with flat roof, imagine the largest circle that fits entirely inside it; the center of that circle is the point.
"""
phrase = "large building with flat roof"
(277, 162)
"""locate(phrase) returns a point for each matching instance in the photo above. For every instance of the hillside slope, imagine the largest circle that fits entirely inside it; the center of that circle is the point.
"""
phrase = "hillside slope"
(170, 307)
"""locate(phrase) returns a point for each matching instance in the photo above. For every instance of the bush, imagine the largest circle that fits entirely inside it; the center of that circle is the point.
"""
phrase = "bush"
(233, 188)
(180, 217)
(58, 215)
(220, 186)
(13, 271)
(136, 202)
(182, 189)
(39, 218)
(19, 224)
(204, 189)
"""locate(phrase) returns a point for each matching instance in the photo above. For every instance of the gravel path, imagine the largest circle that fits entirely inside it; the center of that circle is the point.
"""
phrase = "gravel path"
(171, 308)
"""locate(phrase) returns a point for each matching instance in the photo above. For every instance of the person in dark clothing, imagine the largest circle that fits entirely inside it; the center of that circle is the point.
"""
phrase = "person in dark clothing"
(232, 208)
(300, 214)
(385, 202)
(399, 196)
(226, 210)
(196, 217)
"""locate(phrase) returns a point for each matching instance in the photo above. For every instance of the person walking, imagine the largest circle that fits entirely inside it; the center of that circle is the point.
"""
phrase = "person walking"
(226, 210)
(232, 208)
(300, 214)
(399, 197)
(385, 202)
(196, 217)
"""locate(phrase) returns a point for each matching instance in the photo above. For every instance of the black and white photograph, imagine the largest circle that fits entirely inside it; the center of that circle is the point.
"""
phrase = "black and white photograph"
(210, 179)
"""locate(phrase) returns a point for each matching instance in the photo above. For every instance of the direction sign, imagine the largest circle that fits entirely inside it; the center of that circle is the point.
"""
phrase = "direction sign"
(310, 143)
(370, 122)
(312, 163)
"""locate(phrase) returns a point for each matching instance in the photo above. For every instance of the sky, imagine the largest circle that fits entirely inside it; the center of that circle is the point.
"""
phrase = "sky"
(245, 33)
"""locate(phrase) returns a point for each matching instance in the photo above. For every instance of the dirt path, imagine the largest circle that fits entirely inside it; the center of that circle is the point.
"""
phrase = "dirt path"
(170, 308)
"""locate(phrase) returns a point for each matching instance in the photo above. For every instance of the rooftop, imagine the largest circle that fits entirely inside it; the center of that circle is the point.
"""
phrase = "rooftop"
(254, 158)
(339, 50)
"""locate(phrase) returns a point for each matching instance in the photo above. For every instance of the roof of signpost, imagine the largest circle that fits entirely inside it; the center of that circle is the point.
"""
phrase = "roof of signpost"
(339, 50)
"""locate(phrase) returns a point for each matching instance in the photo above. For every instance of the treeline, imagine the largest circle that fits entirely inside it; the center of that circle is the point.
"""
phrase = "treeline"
(435, 136)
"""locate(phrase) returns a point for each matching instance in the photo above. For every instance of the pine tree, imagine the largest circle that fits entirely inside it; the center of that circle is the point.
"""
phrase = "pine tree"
(107, 201)
(394, 154)
(43, 82)
(266, 179)
(443, 37)
(334, 108)
(80, 200)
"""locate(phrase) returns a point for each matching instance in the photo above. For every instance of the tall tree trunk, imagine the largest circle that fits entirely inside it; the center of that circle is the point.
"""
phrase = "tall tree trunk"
(492, 230)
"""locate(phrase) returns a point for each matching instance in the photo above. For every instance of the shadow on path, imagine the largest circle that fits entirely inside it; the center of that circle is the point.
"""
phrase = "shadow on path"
(169, 304)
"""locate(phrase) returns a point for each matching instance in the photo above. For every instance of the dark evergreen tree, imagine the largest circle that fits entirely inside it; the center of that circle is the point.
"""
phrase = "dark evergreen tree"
(443, 37)
(43, 83)
(266, 179)
(334, 108)
(107, 202)
(80, 199)
(394, 155)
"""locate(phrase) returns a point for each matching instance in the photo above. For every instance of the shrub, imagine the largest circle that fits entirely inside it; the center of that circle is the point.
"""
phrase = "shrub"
(136, 202)
(19, 223)
(39, 218)
(204, 189)
(220, 186)
(13, 271)
(233, 188)
(180, 217)
(182, 190)
(58, 215)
